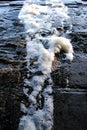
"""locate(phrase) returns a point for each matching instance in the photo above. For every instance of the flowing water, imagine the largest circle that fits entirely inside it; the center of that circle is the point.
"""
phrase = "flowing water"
(39, 18)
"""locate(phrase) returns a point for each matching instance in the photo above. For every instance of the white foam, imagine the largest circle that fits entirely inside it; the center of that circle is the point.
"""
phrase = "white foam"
(38, 18)
(26, 123)
(23, 108)
(61, 43)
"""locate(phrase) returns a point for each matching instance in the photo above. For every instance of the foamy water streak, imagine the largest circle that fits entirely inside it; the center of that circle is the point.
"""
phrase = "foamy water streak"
(40, 55)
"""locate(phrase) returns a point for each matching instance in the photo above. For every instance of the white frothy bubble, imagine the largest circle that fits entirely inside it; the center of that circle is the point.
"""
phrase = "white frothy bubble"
(38, 19)
(26, 123)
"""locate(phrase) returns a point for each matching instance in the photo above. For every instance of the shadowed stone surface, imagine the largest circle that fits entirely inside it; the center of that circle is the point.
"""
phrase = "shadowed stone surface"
(12, 55)
(70, 109)
(72, 75)
(70, 79)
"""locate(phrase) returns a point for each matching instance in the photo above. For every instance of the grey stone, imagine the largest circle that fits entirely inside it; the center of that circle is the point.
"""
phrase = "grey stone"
(70, 109)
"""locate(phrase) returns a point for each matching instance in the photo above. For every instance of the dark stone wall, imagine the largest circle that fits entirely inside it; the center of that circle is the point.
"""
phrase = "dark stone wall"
(70, 110)
(12, 55)
(70, 79)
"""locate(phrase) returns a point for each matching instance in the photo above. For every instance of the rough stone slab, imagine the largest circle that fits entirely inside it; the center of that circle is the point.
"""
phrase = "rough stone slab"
(70, 110)
(70, 79)
(73, 75)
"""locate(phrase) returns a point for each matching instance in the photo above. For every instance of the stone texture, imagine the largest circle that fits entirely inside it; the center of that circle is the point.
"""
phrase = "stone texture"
(10, 95)
(12, 53)
(70, 109)
(72, 75)
(70, 79)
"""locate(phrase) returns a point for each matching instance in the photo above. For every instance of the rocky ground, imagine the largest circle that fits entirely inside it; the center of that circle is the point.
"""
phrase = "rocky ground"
(69, 79)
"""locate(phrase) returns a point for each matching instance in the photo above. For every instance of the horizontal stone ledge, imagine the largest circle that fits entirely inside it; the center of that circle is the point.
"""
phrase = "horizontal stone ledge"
(70, 90)
(70, 109)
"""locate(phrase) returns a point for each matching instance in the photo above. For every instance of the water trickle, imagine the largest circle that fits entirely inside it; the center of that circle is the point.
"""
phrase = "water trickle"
(41, 38)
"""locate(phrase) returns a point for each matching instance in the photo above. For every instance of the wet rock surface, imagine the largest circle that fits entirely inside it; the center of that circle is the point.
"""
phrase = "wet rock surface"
(69, 79)
(12, 53)
(70, 82)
